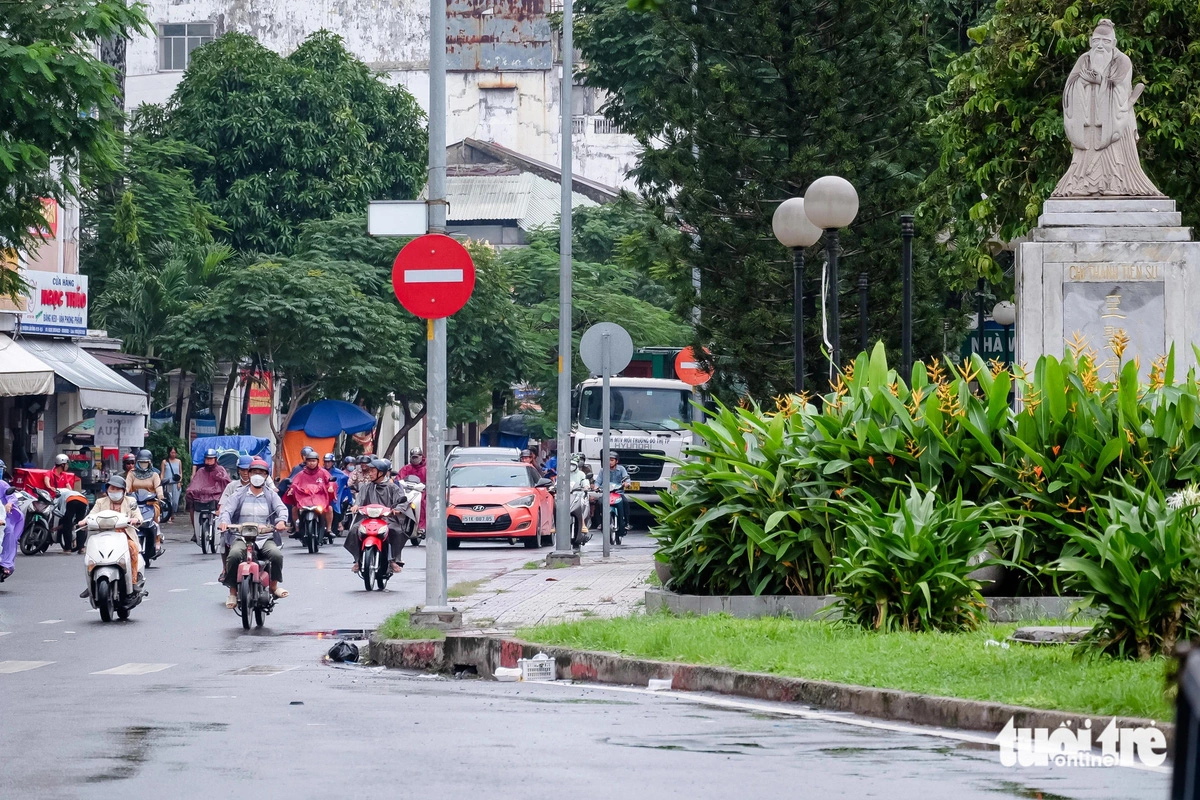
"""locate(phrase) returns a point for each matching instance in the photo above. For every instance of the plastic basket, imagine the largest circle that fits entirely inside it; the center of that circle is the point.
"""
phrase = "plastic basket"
(538, 668)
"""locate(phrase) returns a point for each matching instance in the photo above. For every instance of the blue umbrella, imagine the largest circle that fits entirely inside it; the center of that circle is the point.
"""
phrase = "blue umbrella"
(326, 418)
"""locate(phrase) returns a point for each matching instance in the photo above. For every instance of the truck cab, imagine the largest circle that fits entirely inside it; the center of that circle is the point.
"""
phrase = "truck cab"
(647, 416)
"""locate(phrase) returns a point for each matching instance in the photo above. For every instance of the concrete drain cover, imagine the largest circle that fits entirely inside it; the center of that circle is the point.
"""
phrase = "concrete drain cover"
(260, 669)
(1050, 634)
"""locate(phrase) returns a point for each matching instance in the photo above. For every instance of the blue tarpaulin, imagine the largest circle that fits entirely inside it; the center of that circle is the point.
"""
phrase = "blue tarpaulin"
(326, 418)
(252, 445)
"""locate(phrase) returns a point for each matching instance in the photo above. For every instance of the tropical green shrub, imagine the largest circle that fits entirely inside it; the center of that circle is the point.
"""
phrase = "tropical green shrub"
(907, 568)
(1140, 565)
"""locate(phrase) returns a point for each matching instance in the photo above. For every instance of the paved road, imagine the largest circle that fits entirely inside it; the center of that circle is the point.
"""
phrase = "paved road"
(180, 703)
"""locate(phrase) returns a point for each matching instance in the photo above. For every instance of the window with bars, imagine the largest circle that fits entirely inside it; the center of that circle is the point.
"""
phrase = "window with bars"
(177, 41)
(603, 125)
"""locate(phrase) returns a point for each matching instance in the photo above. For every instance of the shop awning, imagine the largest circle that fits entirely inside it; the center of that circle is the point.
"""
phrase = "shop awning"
(21, 372)
(100, 388)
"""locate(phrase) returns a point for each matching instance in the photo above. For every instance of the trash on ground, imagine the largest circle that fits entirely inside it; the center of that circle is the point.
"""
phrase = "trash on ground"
(342, 652)
(538, 668)
(659, 685)
(507, 674)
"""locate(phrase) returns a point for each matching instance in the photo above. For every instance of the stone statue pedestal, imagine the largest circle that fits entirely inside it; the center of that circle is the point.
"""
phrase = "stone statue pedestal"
(1105, 267)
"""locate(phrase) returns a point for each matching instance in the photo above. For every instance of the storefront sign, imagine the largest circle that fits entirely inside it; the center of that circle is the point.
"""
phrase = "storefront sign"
(260, 392)
(119, 430)
(57, 304)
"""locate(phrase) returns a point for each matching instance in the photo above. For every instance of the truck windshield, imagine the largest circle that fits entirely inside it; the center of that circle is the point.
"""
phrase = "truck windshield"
(633, 407)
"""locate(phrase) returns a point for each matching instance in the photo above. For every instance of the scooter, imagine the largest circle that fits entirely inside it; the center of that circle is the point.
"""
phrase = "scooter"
(206, 518)
(111, 587)
(311, 527)
(148, 505)
(39, 522)
(373, 525)
(414, 492)
(253, 578)
(580, 506)
(615, 495)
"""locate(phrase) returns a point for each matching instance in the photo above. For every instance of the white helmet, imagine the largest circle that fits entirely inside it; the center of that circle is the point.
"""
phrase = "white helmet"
(61, 459)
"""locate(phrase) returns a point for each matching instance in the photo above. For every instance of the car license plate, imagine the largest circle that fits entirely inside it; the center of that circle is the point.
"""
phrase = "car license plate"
(635, 486)
(478, 519)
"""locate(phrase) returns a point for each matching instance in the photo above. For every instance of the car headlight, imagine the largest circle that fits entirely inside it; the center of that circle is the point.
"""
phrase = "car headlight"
(521, 502)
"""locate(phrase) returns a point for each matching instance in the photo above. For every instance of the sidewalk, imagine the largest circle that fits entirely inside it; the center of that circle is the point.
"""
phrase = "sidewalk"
(599, 587)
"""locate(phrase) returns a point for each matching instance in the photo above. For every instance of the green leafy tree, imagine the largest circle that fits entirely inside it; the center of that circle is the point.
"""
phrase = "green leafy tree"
(56, 104)
(292, 139)
(743, 104)
(999, 119)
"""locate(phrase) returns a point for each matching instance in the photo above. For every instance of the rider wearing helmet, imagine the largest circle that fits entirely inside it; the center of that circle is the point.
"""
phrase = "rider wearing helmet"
(60, 478)
(342, 499)
(415, 468)
(243, 467)
(144, 477)
(359, 478)
(14, 525)
(255, 503)
(209, 480)
(527, 457)
(381, 492)
(313, 486)
(117, 499)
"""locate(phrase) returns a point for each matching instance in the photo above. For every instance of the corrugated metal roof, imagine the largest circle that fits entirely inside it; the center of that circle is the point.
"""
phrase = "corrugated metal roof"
(528, 199)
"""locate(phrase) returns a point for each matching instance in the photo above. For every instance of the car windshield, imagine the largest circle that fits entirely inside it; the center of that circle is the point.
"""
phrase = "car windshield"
(476, 475)
(633, 407)
(474, 456)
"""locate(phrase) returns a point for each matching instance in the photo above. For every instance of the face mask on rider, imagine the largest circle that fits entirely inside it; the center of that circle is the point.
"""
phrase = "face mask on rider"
(116, 497)
(257, 480)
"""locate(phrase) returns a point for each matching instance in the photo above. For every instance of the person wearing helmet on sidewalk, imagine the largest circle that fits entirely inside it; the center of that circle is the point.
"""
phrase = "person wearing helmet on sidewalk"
(379, 491)
(313, 486)
(415, 468)
(209, 480)
(256, 504)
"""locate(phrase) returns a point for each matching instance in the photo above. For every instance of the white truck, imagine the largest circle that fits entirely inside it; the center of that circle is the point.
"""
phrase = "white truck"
(646, 424)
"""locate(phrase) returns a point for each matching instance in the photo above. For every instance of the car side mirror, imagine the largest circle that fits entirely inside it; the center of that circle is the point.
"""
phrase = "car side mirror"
(544, 482)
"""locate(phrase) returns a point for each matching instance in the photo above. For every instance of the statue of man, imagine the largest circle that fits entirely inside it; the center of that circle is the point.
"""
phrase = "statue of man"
(1100, 122)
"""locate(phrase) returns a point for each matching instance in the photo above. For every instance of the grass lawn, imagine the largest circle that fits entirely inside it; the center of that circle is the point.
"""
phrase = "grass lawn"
(397, 626)
(949, 665)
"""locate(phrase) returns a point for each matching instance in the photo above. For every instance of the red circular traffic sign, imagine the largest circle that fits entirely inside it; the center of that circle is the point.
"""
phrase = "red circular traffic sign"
(688, 368)
(433, 276)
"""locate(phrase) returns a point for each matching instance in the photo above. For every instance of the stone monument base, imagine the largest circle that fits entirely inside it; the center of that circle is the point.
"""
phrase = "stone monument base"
(1099, 268)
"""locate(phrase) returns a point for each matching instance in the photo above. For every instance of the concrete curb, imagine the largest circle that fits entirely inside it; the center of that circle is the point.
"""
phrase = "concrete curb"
(485, 653)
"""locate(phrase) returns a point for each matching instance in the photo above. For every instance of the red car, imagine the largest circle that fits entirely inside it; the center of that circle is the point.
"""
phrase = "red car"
(499, 501)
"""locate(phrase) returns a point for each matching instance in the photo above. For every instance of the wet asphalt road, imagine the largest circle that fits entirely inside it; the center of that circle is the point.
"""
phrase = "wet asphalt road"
(226, 711)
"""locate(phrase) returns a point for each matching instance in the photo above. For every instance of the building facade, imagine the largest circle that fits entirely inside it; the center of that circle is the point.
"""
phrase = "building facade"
(502, 60)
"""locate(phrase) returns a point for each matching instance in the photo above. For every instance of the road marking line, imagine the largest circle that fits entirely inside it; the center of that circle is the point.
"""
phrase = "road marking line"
(134, 669)
(260, 669)
(9, 667)
(211, 583)
(177, 590)
(49, 621)
(6, 633)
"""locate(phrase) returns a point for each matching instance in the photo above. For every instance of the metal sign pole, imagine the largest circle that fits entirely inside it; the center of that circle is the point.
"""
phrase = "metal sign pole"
(566, 346)
(435, 380)
(605, 411)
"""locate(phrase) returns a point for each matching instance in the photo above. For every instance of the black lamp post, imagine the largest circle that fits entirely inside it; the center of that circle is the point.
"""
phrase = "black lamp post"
(831, 203)
(863, 285)
(793, 230)
(906, 267)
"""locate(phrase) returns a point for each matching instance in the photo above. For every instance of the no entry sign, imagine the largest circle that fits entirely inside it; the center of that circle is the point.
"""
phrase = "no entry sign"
(688, 368)
(433, 276)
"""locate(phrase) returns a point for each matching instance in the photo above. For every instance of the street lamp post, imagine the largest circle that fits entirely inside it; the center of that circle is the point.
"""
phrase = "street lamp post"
(794, 230)
(906, 268)
(864, 285)
(831, 203)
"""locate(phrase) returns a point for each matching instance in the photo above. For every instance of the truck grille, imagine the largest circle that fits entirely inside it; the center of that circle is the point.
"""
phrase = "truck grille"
(644, 465)
(456, 524)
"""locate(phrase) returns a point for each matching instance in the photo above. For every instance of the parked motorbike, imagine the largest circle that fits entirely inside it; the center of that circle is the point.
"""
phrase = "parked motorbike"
(414, 492)
(148, 504)
(206, 520)
(311, 527)
(372, 565)
(36, 536)
(111, 587)
(253, 578)
(46, 511)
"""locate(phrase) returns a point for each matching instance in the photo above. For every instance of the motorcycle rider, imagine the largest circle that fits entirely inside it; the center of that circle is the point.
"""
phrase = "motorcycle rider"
(253, 504)
(209, 480)
(527, 458)
(243, 468)
(379, 491)
(358, 478)
(144, 477)
(341, 496)
(14, 525)
(415, 468)
(617, 474)
(313, 486)
(60, 478)
(116, 498)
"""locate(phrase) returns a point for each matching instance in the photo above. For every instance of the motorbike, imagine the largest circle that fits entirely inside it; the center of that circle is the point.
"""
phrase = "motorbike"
(580, 506)
(311, 527)
(414, 493)
(111, 588)
(253, 578)
(373, 525)
(46, 511)
(207, 520)
(148, 504)
(615, 493)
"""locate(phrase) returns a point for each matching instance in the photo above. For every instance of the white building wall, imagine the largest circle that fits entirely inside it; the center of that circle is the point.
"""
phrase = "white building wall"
(516, 109)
